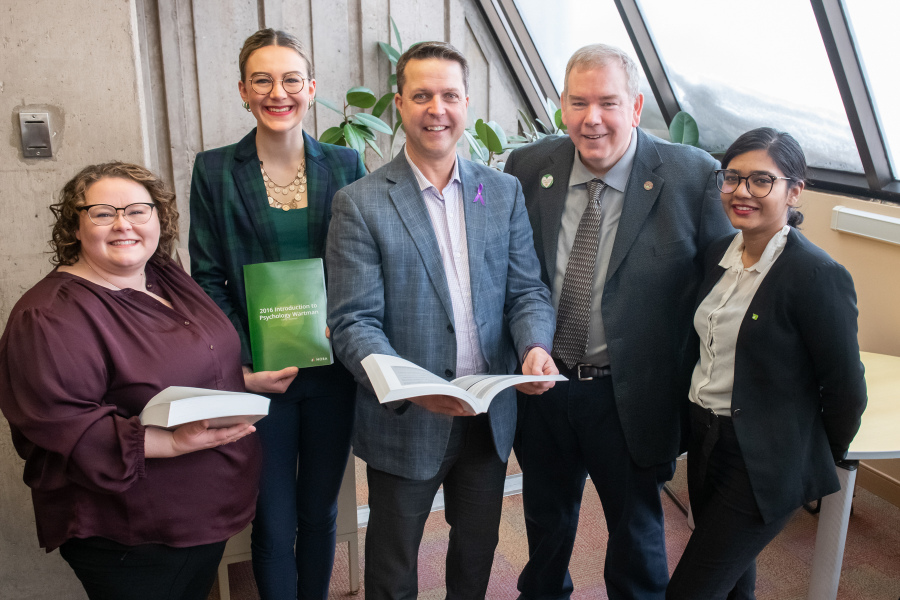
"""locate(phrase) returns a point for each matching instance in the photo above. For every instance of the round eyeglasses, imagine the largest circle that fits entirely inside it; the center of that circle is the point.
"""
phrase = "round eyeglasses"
(759, 185)
(263, 84)
(104, 214)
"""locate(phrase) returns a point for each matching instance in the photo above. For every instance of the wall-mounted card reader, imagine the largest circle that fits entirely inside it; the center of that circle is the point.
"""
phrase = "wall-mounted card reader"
(35, 128)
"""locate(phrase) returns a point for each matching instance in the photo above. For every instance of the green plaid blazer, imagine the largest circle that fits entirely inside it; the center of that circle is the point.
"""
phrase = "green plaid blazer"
(230, 217)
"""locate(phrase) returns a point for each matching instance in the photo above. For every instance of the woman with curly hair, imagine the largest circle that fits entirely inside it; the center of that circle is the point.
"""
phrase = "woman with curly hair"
(137, 512)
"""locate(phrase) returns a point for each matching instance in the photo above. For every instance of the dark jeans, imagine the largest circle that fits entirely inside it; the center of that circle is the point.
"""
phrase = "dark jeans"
(112, 571)
(473, 477)
(306, 443)
(720, 558)
(565, 434)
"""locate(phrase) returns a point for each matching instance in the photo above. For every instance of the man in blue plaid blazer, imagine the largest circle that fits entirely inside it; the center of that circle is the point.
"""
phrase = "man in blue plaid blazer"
(431, 258)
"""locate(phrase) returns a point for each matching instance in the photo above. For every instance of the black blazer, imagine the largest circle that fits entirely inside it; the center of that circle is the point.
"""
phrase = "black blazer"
(799, 390)
(671, 213)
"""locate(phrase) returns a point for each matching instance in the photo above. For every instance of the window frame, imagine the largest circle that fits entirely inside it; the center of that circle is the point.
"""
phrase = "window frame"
(833, 22)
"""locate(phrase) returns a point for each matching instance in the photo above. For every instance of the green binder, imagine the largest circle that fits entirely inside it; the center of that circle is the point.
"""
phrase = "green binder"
(286, 308)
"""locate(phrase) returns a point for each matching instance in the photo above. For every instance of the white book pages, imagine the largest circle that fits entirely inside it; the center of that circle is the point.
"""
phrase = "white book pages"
(176, 406)
(394, 378)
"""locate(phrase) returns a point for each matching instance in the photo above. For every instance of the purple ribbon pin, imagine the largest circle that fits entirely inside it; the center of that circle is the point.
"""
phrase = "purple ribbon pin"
(478, 196)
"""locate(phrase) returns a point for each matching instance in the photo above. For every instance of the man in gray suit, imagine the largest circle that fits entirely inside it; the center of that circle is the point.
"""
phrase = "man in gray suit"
(431, 258)
(621, 220)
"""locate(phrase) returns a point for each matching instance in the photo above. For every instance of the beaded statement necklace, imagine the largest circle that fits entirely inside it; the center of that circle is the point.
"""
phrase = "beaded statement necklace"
(277, 194)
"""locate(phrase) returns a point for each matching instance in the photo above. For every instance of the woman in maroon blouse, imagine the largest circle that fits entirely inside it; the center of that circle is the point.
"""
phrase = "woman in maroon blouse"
(137, 512)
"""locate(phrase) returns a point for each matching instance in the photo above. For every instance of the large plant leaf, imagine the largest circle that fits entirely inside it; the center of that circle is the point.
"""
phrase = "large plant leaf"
(501, 135)
(392, 80)
(391, 52)
(684, 130)
(374, 147)
(328, 104)
(398, 123)
(488, 137)
(396, 34)
(557, 118)
(382, 104)
(373, 122)
(476, 149)
(367, 133)
(361, 97)
(354, 138)
(331, 135)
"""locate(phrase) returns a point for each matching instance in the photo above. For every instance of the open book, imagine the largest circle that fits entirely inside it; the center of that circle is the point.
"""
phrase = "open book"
(394, 378)
(176, 406)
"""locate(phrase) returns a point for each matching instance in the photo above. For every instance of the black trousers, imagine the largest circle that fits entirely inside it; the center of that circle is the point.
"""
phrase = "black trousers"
(719, 561)
(112, 571)
(473, 477)
(565, 434)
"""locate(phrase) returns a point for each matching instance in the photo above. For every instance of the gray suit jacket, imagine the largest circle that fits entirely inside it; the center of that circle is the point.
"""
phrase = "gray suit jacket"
(670, 215)
(388, 294)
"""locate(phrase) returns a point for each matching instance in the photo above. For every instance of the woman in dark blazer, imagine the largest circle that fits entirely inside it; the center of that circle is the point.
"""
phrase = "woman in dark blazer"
(778, 392)
(268, 198)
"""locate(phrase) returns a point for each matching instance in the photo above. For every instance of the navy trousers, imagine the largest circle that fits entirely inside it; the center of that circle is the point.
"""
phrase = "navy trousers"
(719, 561)
(306, 443)
(565, 434)
(473, 477)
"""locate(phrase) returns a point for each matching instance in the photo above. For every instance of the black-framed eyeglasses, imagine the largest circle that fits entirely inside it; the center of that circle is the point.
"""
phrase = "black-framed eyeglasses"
(263, 84)
(759, 185)
(105, 214)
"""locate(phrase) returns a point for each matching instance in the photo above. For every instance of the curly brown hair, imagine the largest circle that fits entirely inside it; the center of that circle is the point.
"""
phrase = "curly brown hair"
(66, 247)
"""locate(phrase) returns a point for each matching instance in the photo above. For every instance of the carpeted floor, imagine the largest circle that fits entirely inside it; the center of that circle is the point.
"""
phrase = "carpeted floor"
(871, 569)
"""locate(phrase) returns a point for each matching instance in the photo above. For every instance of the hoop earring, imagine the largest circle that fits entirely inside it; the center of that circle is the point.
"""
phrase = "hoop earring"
(246, 106)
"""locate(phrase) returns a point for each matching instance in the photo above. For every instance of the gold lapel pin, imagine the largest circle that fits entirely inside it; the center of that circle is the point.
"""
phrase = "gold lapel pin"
(648, 185)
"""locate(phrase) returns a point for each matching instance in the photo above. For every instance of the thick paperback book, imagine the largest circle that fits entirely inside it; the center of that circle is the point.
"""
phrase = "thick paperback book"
(394, 378)
(176, 406)
(286, 308)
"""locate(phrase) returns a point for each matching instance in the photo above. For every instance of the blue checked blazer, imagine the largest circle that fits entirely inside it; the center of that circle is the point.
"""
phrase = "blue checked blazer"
(389, 295)
(230, 217)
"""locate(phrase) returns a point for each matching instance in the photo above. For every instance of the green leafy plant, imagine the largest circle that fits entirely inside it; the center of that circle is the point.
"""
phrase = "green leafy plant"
(386, 101)
(684, 130)
(530, 127)
(357, 130)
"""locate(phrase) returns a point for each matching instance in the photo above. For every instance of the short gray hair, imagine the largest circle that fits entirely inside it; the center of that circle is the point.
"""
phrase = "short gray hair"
(597, 56)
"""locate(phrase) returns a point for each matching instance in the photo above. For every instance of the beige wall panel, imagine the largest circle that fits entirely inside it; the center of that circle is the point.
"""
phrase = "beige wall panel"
(295, 17)
(374, 27)
(331, 53)
(419, 21)
(874, 265)
(76, 61)
(182, 106)
(479, 79)
(220, 28)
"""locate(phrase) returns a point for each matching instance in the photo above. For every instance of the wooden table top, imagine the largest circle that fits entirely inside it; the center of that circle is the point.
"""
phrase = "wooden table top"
(879, 435)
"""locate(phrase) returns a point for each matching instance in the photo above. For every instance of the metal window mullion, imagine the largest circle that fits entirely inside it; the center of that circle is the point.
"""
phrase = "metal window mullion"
(851, 81)
(521, 55)
(649, 58)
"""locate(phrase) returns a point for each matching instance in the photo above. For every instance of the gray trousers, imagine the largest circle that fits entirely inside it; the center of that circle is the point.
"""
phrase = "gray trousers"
(473, 477)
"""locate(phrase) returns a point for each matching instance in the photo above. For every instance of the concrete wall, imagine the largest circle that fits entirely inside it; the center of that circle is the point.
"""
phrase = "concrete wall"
(198, 43)
(75, 60)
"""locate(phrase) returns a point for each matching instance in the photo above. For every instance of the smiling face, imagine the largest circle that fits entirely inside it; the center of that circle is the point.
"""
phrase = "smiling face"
(433, 107)
(759, 218)
(599, 114)
(122, 248)
(277, 111)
